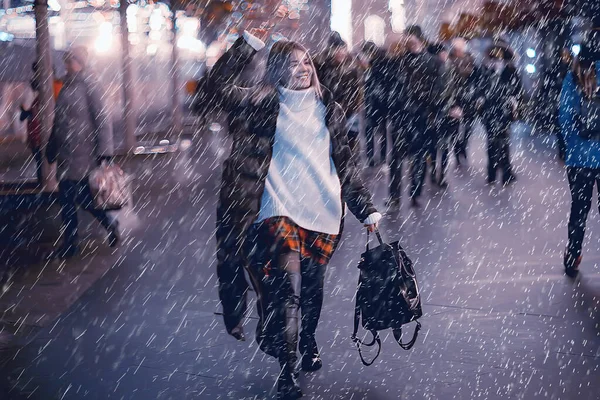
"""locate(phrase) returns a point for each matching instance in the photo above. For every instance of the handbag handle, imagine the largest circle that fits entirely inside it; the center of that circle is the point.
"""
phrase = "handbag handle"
(409, 345)
(378, 237)
(358, 342)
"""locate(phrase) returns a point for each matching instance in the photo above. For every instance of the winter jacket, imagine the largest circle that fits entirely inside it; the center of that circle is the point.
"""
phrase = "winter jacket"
(445, 99)
(395, 81)
(501, 89)
(82, 132)
(343, 79)
(579, 152)
(246, 169)
(377, 83)
(467, 89)
(423, 83)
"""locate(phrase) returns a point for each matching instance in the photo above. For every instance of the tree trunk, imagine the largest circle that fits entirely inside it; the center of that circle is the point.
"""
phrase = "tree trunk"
(175, 89)
(129, 117)
(45, 114)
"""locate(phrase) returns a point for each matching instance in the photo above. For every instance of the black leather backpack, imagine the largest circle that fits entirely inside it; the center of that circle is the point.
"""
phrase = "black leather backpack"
(387, 295)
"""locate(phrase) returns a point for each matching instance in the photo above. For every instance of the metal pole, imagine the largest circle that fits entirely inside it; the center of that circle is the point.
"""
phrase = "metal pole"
(45, 78)
(129, 117)
(177, 112)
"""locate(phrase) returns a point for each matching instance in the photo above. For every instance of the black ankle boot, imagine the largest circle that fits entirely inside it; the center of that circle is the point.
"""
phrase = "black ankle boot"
(311, 359)
(287, 385)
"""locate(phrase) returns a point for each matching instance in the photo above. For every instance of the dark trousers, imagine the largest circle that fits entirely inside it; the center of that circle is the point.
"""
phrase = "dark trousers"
(498, 149)
(461, 147)
(72, 194)
(38, 156)
(581, 184)
(400, 155)
(447, 139)
(435, 135)
(292, 285)
(376, 131)
(420, 145)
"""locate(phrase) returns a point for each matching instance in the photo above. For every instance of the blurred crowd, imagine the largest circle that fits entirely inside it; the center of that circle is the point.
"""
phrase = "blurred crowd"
(417, 102)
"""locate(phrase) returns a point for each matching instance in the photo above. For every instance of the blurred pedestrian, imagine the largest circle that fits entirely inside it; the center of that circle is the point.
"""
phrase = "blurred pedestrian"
(580, 126)
(376, 103)
(34, 134)
(422, 87)
(447, 115)
(340, 72)
(469, 94)
(504, 94)
(282, 199)
(399, 133)
(81, 139)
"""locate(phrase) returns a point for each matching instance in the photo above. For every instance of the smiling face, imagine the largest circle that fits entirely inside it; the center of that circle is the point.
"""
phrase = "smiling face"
(299, 72)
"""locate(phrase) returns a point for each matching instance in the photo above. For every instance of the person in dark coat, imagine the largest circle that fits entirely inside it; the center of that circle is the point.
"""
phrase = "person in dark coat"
(281, 204)
(504, 93)
(445, 130)
(421, 87)
(376, 103)
(339, 72)
(399, 133)
(469, 94)
(81, 138)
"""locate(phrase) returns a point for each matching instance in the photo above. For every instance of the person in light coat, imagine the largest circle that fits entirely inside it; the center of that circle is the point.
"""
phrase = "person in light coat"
(81, 138)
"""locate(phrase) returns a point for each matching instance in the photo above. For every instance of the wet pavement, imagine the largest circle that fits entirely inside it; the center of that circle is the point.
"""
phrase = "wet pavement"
(501, 319)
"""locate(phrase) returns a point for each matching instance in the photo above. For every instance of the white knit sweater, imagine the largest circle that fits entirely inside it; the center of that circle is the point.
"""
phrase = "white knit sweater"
(302, 182)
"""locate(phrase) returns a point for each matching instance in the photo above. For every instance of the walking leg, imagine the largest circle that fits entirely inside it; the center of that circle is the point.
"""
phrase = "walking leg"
(311, 303)
(68, 210)
(581, 184)
(289, 294)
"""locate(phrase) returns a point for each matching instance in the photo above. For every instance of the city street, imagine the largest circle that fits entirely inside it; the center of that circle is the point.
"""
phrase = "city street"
(501, 321)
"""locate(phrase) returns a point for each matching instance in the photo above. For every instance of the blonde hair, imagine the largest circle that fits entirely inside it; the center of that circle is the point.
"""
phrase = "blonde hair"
(277, 62)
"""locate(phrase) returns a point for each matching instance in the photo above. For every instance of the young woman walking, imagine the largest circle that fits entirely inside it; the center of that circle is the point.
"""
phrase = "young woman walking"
(282, 200)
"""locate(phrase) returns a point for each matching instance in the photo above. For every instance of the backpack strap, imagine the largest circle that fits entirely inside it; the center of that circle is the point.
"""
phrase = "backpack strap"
(409, 345)
(379, 238)
(358, 342)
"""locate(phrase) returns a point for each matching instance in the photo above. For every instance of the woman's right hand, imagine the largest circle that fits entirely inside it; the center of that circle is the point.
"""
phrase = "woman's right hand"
(260, 33)
(372, 222)
(264, 30)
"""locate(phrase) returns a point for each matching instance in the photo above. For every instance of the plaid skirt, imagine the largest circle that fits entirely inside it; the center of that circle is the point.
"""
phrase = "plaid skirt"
(278, 235)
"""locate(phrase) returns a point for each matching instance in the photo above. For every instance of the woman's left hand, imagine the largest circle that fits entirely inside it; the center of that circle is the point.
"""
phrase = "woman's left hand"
(373, 227)
(372, 221)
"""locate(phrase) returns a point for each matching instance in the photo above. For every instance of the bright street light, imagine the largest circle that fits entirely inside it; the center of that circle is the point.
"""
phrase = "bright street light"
(105, 38)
